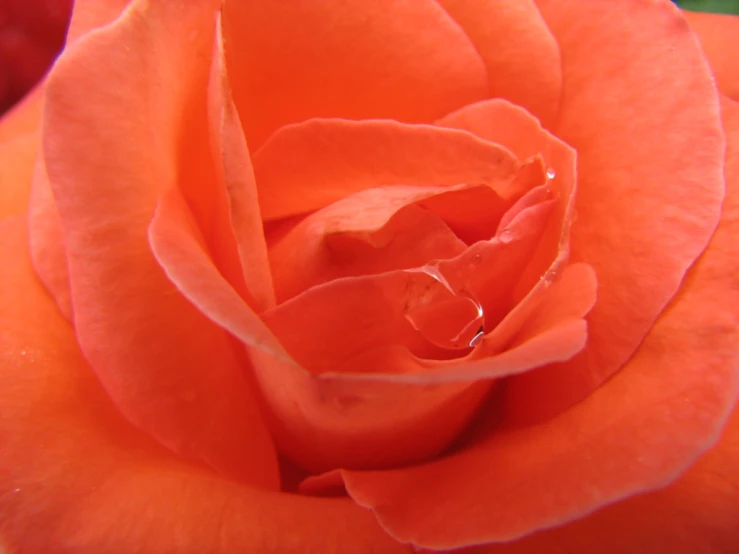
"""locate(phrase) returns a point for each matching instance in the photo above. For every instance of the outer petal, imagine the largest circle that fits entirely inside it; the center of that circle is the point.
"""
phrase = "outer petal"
(48, 251)
(89, 15)
(357, 60)
(636, 433)
(719, 37)
(697, 514)
(650, 164)
(76, 478)
(112, 138)
(520, 54)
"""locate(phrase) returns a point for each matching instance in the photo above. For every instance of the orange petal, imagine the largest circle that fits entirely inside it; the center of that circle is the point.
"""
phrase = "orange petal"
(309, 165)
(636, 433)
(74, 468)
(502, 122)
(46, 241)
(354, 60)
(235, 172)
(108, 155)
(520, 54)
(473, 212)
(88, 15)
(17, 154)
(48, 251)
(719, 37)
(696, 513)
(639, 234)
(178, 247)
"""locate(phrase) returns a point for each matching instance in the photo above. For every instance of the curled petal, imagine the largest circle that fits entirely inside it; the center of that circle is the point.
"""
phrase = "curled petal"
(306, 166)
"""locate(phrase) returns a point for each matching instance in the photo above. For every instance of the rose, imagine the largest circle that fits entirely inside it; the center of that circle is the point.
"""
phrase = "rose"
(143, 213)
(46, 384)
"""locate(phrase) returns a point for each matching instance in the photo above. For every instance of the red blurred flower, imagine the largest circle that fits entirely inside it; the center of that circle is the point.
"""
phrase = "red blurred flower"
(31, 34)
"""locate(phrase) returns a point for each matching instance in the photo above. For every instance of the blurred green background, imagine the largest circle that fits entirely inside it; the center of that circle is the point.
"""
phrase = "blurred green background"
(716, 6)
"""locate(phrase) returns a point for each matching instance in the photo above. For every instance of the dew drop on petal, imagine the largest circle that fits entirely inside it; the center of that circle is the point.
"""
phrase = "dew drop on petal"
(478, 337)
(549, 276)
(506, 236)
(445, 317)
(551, 174)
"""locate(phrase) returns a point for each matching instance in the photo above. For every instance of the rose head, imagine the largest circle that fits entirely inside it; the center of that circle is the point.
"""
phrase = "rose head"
(373, 277)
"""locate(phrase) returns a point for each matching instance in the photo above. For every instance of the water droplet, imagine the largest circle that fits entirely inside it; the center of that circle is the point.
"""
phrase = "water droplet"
(506, 236)
(477, 339)
(476, 259)
(548, 277)
(551, 174)
(23, 352)
(445, 317)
